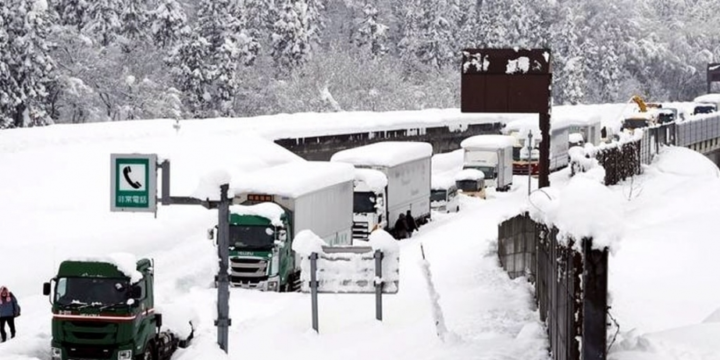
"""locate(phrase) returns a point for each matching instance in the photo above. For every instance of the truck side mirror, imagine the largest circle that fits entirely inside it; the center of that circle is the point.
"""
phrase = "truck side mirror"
(158, 320)
(46, 288)
(135, 292)
(211, 233)
(282, 235)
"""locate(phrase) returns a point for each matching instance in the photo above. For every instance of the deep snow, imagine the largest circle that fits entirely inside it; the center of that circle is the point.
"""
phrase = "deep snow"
(55, 206)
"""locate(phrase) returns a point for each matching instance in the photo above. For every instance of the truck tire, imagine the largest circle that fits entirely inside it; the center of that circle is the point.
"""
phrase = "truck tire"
(148, 354)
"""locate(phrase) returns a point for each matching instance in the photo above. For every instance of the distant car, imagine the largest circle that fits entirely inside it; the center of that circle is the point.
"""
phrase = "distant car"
(444, 199)
(704, 109)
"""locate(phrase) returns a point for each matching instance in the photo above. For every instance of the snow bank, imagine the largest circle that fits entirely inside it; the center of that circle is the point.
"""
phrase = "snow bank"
(203, 347)
(307, 177)
(437, 313)
(469, 174)
(685, 162)
(268, 210)
(178, 318)
(125, 262)
(383, 241)
(488, 141)
(446, 162)
(584, 208)
(576, 138)
(371, 180)
(306, 242)
(385, 153)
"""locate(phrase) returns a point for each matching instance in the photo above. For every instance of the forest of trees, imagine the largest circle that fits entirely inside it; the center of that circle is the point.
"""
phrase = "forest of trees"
(76, 61)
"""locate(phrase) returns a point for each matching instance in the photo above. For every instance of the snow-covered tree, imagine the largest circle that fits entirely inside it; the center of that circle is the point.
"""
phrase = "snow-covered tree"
(436, 35)
(134, 21)
(290, 37)
(371, 34)
(26, 66)
(103, 21)
(169, 23)
(72, 12)
(193, 74)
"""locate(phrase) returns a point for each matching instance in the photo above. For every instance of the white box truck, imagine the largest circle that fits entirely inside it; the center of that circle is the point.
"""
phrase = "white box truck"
(407, 167)
(274, 204)
(493, 155)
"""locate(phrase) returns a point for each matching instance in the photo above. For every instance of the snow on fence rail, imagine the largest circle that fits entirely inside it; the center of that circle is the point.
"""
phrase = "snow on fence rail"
(570, 280)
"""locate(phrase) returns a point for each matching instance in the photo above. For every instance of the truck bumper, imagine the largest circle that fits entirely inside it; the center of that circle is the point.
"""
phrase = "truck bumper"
(67, 351)
(271, 284)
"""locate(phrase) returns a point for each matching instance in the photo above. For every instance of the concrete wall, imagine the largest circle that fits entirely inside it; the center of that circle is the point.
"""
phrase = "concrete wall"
(443, 139)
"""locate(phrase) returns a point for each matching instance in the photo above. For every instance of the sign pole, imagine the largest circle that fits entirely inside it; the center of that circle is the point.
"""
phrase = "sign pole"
(378, 284)
(529, 162)
(314, 290)
(223, 321)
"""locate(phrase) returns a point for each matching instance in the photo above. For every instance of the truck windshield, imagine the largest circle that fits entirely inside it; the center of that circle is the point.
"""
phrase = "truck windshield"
(438, 195)
(91, 291)
(467, 185)
(364, 202)
(258, 237)
(635, 123)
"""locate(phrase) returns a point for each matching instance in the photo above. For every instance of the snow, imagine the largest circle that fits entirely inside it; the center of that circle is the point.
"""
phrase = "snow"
(306, 243)
(583, 208)
(661, 273)
(488, 142)
(385, 153)
(371, 180)
(126, 263)
(708, 98)
(521, 64)
(178, 318)
(469, 174)
(448, 162)
(307, 177)
(442, 181)
(576, 138)
(268, 210)
(383, 241)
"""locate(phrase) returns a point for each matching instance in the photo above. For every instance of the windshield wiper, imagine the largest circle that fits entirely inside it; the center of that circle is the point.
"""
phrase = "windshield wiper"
(76, 305)
(111, 306)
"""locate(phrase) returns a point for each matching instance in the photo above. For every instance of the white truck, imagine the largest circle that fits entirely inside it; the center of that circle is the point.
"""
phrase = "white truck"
(493, 155)
(443, 194)
(274, 204)
(407, 168)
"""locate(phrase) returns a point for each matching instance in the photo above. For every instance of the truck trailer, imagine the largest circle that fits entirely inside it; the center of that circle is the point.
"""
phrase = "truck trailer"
(493, 155)
(407, 168)
(102, 310)
(272, 205)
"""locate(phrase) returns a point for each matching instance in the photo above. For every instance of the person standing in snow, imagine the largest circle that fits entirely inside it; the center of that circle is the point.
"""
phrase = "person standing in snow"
(411, 225)
(401, 227)
(9, 310)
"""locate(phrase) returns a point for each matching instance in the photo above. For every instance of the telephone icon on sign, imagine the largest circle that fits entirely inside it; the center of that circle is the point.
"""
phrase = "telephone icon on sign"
(126, 174)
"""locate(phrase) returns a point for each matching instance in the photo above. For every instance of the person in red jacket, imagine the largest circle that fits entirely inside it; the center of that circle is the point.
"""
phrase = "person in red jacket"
(9, 310)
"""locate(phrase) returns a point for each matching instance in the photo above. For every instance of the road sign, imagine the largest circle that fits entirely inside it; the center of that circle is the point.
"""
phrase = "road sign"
(133, 182)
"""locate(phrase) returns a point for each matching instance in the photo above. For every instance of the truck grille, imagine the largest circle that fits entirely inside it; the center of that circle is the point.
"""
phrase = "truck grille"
(88, 352)
(247, 271)
(360, 231)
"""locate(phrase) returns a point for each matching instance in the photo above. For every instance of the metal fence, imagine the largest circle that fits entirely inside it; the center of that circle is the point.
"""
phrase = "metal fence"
(570, 285)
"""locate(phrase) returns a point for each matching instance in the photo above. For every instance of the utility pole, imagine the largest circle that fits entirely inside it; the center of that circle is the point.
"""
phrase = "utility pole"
(529, 146)
(223, 321)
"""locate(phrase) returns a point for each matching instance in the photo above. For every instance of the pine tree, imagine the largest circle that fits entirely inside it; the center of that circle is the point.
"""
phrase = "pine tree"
(134, 21)
(72, 12)
(193, 74)
(27, 67)
(436, 38)
(169, 23)
(104, 21)
(371, 34)
(290, 38)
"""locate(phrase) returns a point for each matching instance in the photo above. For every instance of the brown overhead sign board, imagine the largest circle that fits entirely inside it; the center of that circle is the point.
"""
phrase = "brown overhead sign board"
(506, 80)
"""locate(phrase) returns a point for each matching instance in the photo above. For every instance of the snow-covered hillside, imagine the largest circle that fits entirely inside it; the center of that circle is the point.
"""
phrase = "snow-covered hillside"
(55, 204)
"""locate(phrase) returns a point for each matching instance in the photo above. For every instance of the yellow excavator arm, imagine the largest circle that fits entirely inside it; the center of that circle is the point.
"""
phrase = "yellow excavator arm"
(640, 103)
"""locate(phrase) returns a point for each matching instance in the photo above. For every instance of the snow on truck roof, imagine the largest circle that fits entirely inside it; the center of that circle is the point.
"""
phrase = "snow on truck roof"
(442, 181)
(295, 179)
(268, 210)
(385, 153)
(469, 174)
(375, 180)
(708, 98)
(488, 141)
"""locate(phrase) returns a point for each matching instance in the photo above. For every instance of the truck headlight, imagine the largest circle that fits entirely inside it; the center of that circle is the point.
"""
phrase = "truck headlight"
(56, 353)
(125, 355)
(272, 285)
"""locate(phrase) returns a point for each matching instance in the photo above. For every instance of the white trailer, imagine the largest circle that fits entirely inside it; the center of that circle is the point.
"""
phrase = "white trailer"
(314, 195)
(493, 155)
(407, 166)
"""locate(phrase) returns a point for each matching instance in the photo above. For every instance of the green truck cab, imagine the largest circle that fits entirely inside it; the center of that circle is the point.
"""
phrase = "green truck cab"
(101, 312)
(261, 255)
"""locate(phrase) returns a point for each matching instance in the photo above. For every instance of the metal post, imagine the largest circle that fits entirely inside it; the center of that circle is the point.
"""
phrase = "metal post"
(378, 284)
(165, 183)
(223, 306)
(594, 316)
(544, 178)
(314, 290)
(529, 160)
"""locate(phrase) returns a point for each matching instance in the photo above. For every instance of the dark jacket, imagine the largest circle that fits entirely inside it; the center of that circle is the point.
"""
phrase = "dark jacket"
(401, 227)
(10, 309)
(410, 221)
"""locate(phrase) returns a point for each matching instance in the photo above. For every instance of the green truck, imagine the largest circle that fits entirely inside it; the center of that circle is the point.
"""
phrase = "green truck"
(270, 210)
(102, 310)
